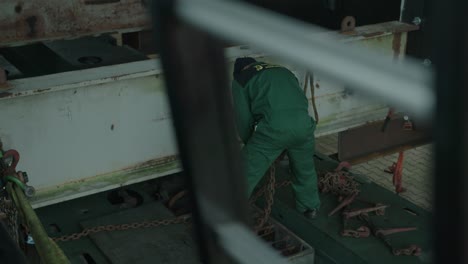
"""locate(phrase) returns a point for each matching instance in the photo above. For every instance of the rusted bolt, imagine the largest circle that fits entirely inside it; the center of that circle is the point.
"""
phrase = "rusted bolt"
(417, 21)
(348, 24)
(29, 191)
(427, 62)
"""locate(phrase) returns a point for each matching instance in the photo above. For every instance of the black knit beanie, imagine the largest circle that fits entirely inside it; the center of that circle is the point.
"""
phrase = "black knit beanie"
(241, 63)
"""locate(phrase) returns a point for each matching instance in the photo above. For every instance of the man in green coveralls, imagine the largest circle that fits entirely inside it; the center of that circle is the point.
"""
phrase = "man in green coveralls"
(272, 116)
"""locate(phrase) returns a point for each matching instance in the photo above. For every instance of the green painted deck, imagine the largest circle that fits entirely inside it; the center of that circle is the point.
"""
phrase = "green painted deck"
(164, 244)
(322, 233)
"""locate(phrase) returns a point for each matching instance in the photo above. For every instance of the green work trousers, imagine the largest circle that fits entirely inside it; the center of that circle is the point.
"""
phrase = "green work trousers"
(267, 143)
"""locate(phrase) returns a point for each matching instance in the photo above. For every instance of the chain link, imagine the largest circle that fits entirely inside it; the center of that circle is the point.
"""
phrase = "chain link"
(9, 209)
(339, 183)
(269, 196)
(120, 227)
(269, 192)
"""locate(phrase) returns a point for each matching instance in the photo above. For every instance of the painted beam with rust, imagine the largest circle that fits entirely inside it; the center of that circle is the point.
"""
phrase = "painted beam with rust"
(23, 22)
(86, 131)
(367, 142)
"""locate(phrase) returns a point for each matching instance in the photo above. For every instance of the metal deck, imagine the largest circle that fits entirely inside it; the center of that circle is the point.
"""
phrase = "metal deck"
(322, 234)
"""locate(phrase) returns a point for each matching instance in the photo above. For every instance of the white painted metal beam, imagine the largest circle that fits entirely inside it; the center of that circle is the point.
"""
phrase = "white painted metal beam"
(406, 85)
(87, 131)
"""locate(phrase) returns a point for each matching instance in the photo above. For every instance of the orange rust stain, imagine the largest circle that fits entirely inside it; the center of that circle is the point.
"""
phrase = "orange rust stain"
(396, 45)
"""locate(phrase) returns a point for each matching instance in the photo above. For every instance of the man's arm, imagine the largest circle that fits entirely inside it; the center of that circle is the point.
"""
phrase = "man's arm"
(244, 118)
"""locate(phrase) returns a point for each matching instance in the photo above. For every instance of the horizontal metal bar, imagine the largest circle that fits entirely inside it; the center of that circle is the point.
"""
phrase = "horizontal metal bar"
(80, 79)
(88, 185)
(406, 85)
(352, 148)
(72, 100)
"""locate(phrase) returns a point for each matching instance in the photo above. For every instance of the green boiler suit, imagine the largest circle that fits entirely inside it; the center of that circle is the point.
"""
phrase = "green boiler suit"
(272, 116)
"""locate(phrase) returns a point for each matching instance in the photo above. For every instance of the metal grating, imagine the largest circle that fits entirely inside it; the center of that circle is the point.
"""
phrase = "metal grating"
(285, 242)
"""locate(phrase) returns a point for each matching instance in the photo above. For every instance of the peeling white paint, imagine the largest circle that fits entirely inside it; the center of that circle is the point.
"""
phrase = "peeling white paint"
(75, 125)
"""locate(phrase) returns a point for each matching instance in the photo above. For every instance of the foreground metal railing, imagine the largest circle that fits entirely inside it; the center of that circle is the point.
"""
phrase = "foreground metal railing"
(198, 93)
(406, 84)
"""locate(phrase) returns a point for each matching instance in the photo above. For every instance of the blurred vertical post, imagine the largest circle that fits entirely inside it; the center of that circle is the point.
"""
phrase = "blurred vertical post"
(451, 131)
(195, 74)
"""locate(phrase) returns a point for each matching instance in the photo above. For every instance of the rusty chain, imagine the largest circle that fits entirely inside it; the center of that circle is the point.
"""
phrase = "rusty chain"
(120, 227)
(268, 191)
(339, 183)
(269, 196)
(10, 212)
(343, 185)
(262, 191)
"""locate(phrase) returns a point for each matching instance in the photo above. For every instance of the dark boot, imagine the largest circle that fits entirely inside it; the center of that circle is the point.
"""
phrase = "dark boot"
(311, 213)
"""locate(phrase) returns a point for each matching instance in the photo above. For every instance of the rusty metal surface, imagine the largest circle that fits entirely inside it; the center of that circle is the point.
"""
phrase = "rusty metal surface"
(29, 21)
(10, 69)
(91, 52)
(96, 109)
(368, 141)
(3, 77)
(348, 24)
(376, 30)
(80, 79)
(396, 45)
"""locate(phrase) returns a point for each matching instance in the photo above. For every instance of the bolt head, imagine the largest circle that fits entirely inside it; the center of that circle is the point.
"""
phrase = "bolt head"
(29, 191)
(427, 62)
(417, 21)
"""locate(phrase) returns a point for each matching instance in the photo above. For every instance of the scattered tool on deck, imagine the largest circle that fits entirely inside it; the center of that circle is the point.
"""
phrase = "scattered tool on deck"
(382, 234)
(347, 201)
(361, 211)
(397, 170)
(390, 231)
(360, 232)
(343, 185)
(389, 116)
(411, 250)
